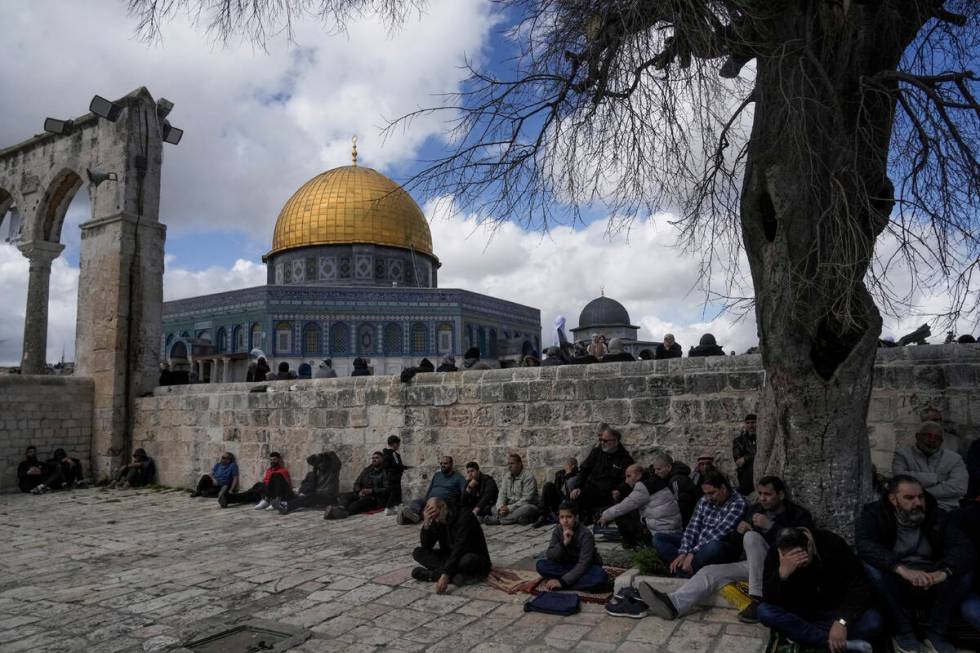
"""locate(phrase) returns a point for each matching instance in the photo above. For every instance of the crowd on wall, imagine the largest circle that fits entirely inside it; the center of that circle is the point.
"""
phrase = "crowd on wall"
(908, 577)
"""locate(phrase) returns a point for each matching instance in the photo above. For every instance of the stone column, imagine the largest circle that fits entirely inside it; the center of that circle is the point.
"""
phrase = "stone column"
(40, 254)
(226, 372)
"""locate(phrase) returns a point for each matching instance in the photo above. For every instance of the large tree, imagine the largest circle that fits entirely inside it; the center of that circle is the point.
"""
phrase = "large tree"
(802, 132)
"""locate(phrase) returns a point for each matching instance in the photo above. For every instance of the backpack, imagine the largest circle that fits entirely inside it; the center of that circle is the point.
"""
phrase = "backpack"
(559, 603)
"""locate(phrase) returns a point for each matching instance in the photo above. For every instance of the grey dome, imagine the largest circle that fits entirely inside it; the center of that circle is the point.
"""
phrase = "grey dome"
(603, 311)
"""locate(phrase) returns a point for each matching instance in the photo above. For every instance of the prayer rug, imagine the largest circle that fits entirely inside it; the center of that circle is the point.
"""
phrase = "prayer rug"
(601, 596)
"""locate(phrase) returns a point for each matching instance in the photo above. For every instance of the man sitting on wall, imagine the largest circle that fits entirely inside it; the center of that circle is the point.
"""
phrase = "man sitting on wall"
(319, 488)
(914, 556)
(649, 509)
(517, 501)
(142, 471)
(446, 484)
(452, 546)
(275, 485)
(370, 491)
(706, 539)
(603, 471)
(757, 532)
(942, 472)
(480, 494)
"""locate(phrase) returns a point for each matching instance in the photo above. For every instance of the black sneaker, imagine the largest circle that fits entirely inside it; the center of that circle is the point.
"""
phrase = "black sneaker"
(424, 575)
(632, 608)
(750, 613)
(282, 507)
(658, 602)
(627, 592)
(223, 496)
(540, 522)
(195, 494)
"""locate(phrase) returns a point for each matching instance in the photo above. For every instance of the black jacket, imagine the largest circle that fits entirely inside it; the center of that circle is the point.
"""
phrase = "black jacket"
(793, 515)
(833, 582)
(744, 446)
(877, 529)
(705, 350)
(662, 352)
(374, 479)
(483, 496)
(967, 519)
(621, 357)
(973, 469)
(360, 368)
(461, 535)
(682, 486)
(324, 479)
(446, 367)
(26, 482)
(604, 471)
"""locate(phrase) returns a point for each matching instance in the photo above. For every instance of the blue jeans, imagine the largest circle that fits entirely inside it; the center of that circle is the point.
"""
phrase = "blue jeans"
(815, 632)
(895, 593)
(593, 576)
(970, 609)
(713, 553)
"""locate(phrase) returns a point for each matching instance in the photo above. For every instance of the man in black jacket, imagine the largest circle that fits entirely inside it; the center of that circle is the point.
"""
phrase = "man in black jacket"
(320, 486)
(602, 472)
(678, 477)
(370, 491)
(553, 494)
(480, 493)
(816, 594)
(395, 469)
(914, 556)
(669, 348)
(743, 453)
(452, 547)
(30, 471)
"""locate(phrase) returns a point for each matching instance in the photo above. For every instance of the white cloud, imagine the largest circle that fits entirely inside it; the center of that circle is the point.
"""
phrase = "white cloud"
(179, 283)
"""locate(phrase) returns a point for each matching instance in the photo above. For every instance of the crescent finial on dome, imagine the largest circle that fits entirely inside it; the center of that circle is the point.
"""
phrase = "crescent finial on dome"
(353, 150)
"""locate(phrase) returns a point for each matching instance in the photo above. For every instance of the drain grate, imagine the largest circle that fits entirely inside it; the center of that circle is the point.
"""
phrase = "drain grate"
(248, 638)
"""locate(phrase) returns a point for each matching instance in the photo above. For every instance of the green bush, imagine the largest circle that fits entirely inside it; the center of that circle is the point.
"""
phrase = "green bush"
(649, 563)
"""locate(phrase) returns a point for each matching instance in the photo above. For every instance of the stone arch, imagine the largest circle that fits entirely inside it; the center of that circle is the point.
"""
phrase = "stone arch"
(311, 339)
(283, 337)
(237, 339)
(393, 343)
(50, 214)
(7, 204)
(203, 334)
(481, 340)
(256, 336)
(492, 343)
(221, 340)
(339, 339)
(178, 351)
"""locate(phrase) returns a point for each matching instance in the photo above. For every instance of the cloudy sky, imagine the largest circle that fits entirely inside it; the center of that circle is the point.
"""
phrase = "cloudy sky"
(258, 124)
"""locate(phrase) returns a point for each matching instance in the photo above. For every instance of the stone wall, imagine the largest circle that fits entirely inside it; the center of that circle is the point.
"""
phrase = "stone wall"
(47, 412)
(688, 405)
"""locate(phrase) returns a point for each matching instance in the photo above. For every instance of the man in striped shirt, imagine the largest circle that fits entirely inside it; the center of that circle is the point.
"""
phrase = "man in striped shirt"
(706, 540)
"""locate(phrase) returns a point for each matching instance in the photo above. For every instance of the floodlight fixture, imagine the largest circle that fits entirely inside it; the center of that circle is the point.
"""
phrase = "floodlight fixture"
(164, 107)
(96, 178)
(56, 126)
(171, 134)
(104, 108)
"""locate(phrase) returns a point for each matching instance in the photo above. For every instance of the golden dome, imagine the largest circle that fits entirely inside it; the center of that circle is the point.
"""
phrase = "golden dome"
(351, 204)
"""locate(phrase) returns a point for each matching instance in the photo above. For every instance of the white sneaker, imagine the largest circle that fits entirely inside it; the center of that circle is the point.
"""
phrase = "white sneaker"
(262, 505)
(391, 510)
(270, 507)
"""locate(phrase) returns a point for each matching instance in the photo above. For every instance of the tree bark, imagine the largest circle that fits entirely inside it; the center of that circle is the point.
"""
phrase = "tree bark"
(815, 198)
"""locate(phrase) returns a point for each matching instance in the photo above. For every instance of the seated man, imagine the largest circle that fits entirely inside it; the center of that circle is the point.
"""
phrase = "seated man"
(370, 491)
(446, 484)
(941, 472)
(395, 469)
(63, 472)
(453, 548)
(602, 472)
(669, 348)
(517, 501)
(678, 477)
(142, 471)
(816, 594)
(480, 493)
(223, 478)
(914, 556)
(284, 373)
(553, 494)
(31, 472)
(572, 561)
(650, 499)
(705, 463)
(757, 532)
(275, 484)
(706, 539)
(319, 488)
(743, 453)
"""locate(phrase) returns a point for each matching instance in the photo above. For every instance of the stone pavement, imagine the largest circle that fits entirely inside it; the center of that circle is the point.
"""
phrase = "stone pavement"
(100, 571)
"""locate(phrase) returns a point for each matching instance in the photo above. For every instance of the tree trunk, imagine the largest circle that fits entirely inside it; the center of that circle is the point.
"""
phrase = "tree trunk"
(815, 198)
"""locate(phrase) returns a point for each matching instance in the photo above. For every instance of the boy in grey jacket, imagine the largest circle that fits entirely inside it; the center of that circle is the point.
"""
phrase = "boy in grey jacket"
(572, 561)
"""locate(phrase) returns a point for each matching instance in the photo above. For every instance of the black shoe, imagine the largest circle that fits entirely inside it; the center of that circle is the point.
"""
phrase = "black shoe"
(750, 613)
(223, 497)
(195, 494)
(424, 575)
(658, 602)
(540, 522)
(282, 507)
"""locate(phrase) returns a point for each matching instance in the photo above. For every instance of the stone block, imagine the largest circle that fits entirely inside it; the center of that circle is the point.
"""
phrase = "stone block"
(613, 411)
(650, 410)
(510, 414)
(544, 414)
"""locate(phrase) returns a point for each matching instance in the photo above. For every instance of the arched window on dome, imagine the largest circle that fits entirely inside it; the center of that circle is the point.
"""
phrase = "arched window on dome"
(178, 352)
(492, 343)
(204, 334)
(481, 339)
(221, 340)
(444, 338)
(393, 339)
(256, 337)
(339, 339)
(311, 339)
(366, 339)
(284, 337)
(420, 339)
(238, 338)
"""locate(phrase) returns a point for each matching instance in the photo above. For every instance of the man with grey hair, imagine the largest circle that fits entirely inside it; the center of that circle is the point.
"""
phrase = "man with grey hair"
(678, 477)
(669, 348)
(942, 472)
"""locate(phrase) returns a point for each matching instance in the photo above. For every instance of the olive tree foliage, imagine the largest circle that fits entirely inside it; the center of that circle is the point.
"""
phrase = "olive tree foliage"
(803, 133)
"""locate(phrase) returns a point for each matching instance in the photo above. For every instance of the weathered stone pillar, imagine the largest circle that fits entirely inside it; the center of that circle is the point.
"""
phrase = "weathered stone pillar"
(40, 254)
